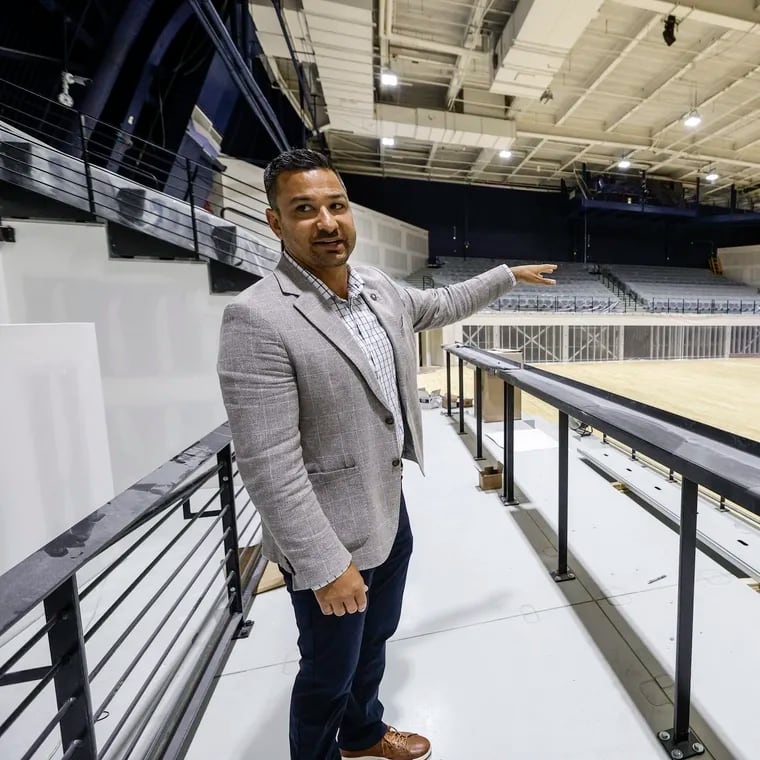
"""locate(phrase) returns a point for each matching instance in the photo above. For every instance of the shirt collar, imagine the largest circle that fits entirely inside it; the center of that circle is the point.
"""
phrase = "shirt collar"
(355, 282)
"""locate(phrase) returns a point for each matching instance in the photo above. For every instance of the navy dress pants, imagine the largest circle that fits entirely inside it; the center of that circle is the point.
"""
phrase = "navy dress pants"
(343, 660)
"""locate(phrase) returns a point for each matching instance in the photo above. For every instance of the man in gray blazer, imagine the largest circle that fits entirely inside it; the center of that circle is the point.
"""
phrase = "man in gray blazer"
(318, 373)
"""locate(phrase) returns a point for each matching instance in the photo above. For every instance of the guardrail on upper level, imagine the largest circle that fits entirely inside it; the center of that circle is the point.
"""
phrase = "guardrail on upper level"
(727, 464)
(68, 156)
(189, 587)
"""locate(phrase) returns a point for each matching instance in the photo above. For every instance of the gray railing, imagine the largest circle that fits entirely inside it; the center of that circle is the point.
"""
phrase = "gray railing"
(176, 588)
(92, 166)
(727, 464)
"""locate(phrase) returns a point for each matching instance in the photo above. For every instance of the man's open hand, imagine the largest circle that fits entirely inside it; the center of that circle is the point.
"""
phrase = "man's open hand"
(347, 593)
(532, 274)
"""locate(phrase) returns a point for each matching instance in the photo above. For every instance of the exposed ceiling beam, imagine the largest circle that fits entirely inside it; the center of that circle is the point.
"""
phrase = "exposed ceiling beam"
(481, 162)
(739, 15)
(528, 157)
(572, 161)
(577, 137)
(609, 68)
(707, 51)
(715, 96)
(471, 40)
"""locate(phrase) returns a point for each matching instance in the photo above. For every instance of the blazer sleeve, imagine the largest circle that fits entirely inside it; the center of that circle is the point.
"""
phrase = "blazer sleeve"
(260, 395)
(438, 307)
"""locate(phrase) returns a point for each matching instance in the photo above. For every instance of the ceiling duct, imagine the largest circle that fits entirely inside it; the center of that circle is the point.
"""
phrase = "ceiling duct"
(341, 38)
(536, 41)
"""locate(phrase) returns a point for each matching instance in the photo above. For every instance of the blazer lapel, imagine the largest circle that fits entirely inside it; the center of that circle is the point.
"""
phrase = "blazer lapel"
(317, 311)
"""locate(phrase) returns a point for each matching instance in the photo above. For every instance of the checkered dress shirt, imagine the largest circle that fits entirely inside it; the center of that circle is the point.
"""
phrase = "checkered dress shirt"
(369, 334)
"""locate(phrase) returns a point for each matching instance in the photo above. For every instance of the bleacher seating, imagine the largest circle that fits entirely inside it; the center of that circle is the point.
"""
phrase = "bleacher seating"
(684, 289)
(577, 289)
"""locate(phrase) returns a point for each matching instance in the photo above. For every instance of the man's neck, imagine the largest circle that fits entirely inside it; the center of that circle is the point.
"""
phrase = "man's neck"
(335, 278)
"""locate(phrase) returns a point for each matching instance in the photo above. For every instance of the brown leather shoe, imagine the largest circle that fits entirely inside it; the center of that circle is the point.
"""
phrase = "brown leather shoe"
(395, 745)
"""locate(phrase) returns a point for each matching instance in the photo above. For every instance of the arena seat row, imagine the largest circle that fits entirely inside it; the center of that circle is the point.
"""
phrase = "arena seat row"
(685, 289)
(577, 288)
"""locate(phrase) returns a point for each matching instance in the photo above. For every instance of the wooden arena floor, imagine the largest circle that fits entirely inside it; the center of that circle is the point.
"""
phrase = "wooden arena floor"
(724, 393)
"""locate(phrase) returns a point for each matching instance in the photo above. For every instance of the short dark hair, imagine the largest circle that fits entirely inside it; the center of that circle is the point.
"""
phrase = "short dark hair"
(295, 160)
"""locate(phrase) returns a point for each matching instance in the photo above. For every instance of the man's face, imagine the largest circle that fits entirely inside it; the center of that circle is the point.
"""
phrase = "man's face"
(313, 218)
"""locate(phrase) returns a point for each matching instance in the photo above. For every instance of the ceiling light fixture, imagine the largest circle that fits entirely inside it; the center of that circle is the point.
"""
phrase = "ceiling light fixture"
(388, 79)
(389, 142)
(712, 176)
(505, 154)
(692, 119)
(669, 32)
(624, 163)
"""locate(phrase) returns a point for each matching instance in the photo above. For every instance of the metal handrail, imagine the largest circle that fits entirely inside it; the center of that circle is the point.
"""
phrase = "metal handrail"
(725, 463)
(49, 577)
(96, 143)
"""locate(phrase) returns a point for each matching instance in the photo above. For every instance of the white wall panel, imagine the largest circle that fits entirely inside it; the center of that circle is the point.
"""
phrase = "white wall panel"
(55, 464)
(157, 329)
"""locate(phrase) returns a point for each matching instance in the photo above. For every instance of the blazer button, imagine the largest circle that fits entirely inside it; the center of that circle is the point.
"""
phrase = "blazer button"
(373, 296)
(396, 462)
(389, 420)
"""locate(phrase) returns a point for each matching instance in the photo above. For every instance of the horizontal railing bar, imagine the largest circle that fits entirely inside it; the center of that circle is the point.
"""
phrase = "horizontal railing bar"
(245, 528)
(122, 557)
(717, 462)
(222, 625)
(188, 490)
(49, 728)
(160, 663)
(33, 579)
(73, 747)
(13, 659)
(24, 676)
(183, 222)
(96, 626)
(180, 597)
(30, 697)
(45, 184)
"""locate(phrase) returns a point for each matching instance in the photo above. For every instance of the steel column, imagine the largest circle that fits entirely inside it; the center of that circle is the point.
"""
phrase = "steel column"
(479, 413)
(86, 161)
(562, 573)
(448, 384)
(508, 495)
(680, 742)
(461, 396)
(66, 642)
(191, 200)
(229, 526)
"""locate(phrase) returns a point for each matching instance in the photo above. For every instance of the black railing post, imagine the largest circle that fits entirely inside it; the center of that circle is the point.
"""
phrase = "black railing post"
(680, 742)
(86, 161)
(562, 573)
(229, 525)
(191, 201)
(448, 383)
(479, 413)
(66, 642)
(508, 496)
(461, 396)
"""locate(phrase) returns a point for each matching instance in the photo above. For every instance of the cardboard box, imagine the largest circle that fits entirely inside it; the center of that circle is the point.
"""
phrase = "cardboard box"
(493, 392)
(491, 477)
(431, 400)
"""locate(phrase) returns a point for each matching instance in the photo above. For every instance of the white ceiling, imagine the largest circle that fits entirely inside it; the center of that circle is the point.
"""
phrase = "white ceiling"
(464, 67)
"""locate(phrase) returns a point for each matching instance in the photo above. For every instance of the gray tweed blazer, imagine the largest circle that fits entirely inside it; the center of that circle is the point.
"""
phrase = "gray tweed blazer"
(313, 436)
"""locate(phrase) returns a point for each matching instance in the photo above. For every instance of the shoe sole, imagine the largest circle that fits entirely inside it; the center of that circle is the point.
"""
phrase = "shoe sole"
(376, 757)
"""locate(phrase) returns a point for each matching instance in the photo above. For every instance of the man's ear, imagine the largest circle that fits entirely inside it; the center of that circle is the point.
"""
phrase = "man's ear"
(274, 222)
